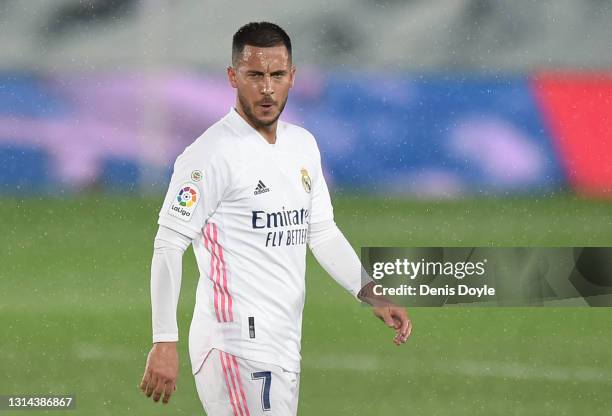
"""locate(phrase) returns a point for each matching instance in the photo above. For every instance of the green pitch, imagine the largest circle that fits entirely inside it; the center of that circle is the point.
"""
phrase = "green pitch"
(74, 309)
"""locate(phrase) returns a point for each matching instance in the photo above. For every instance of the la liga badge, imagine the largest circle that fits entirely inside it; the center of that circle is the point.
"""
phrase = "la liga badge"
(185, 202)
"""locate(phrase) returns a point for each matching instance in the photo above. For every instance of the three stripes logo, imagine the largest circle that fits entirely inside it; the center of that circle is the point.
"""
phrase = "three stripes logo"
(261, 188)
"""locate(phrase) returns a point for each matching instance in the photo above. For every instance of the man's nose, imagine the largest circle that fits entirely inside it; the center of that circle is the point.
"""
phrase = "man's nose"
(267, 85)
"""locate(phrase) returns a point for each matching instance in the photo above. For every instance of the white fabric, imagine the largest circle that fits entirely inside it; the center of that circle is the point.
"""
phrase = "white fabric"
(166, 271)
(167, 235)
(335, 254)
(248, 210)
(232, 386)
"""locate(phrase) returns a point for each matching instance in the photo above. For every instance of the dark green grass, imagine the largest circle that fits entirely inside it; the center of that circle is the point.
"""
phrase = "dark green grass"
(74, 311)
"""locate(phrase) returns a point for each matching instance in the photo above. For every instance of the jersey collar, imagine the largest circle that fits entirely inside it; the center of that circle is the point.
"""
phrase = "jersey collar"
(243, 128)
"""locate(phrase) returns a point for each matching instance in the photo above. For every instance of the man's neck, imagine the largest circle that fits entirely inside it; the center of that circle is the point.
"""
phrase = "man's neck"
(267, 132)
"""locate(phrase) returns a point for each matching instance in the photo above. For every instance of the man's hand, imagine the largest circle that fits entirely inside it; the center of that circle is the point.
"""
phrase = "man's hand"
(397, 318)
(392, 315)
(161, 371)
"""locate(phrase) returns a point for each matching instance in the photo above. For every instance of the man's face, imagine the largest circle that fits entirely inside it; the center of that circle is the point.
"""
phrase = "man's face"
(262, 78)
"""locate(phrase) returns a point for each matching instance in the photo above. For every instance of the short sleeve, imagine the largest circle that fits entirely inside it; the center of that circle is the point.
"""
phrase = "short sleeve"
(321, 206)
(198, 183)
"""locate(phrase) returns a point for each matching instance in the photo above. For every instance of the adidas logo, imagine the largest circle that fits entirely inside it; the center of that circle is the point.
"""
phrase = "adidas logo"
(261, 188)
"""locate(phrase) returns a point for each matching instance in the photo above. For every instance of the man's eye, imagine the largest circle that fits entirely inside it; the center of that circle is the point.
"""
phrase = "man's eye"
(277, 76)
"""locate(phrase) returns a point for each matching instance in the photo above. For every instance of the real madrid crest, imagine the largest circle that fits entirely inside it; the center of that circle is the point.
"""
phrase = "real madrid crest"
(306, 183)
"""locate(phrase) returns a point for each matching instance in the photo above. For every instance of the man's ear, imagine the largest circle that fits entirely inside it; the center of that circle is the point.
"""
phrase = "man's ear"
(231, 76)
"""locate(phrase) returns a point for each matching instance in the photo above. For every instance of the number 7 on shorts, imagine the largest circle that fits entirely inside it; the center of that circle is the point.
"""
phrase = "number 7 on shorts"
(265, 389)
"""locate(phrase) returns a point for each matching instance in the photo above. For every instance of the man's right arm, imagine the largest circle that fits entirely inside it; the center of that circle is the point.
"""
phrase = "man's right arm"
(166, 272)
(199, 181)
(161, 369)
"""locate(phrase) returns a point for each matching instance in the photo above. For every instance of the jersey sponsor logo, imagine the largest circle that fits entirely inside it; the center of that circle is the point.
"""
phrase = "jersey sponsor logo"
(261, 188)
(186, 200)
(293, 221)
(306, 182)
(285, 238)
(283, 218)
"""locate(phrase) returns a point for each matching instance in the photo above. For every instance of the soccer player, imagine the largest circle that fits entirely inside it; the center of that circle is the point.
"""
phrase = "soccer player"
(248, 194)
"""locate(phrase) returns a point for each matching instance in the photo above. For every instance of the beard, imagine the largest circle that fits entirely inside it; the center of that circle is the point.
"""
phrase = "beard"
(253, 119)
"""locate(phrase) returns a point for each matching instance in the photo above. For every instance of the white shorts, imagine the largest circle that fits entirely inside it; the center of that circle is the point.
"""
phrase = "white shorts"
(233, 386)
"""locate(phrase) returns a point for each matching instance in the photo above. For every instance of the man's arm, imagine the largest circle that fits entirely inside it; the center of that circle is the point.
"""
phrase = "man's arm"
(199, 181)
(337, 257)
(166, 269)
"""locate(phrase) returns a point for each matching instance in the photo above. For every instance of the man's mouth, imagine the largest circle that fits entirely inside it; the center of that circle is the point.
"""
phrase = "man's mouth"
(266, 105)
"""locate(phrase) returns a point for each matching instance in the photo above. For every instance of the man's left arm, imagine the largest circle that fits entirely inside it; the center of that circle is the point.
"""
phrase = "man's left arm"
(337, 257)
(335, 254)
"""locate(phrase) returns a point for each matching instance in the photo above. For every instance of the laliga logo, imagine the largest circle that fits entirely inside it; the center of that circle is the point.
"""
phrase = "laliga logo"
(187, 197)
(185, 202)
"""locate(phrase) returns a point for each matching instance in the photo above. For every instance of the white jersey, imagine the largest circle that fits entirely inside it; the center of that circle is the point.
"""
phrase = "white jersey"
(247, 205)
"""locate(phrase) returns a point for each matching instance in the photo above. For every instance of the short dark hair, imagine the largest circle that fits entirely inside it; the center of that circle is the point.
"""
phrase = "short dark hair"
(260, 34)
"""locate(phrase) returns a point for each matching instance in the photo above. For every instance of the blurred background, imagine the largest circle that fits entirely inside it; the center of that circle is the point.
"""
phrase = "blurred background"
(440, 98)
(441, 123)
